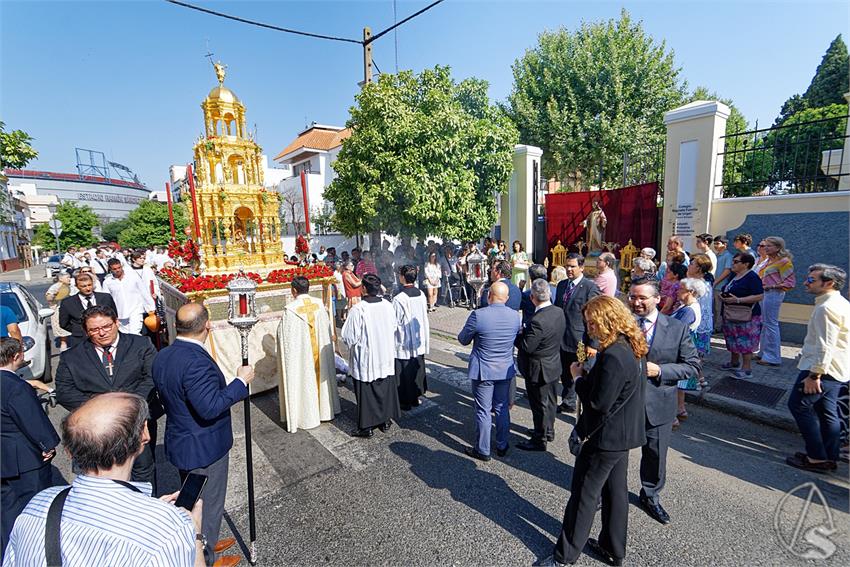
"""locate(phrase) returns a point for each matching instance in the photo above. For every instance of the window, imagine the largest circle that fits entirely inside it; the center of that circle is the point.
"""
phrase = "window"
(11, 301)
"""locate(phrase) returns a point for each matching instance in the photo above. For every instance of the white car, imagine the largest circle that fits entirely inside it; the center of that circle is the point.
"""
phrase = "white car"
(32, 320)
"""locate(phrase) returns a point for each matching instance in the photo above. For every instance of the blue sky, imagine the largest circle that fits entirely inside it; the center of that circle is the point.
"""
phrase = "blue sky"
(127, 78)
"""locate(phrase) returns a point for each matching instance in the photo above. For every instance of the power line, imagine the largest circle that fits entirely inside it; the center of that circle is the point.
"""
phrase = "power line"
(407, 19)
(262, 25)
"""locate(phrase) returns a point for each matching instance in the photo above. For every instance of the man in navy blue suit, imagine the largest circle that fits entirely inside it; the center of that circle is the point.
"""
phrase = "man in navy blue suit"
(491, 368)
(27, 439)
(197, 399)
(501, 272)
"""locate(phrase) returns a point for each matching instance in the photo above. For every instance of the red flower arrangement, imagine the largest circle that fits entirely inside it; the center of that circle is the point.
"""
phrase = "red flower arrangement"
(301, 245)
(189, 284)
(189, 251)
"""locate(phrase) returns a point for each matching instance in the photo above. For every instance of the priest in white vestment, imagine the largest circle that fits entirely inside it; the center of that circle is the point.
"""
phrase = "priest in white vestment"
(369, 332)
(308, 393)
(412, 339)
(131, 298)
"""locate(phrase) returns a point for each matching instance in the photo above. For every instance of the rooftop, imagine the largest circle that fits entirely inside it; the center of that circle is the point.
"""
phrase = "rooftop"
(317, 137)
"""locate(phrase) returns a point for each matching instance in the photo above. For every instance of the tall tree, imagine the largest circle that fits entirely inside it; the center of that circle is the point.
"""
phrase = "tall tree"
(111, 231)
(831, 77)
(77, 224)
(16, 149)
(149, 225)
(592, 95)
(426, 157)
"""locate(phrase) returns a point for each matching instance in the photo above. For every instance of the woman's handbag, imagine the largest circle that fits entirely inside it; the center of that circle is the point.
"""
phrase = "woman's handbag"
(737, 312)
(577, 442)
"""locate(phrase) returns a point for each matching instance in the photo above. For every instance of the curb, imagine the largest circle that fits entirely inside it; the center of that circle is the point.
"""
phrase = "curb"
(745, 410)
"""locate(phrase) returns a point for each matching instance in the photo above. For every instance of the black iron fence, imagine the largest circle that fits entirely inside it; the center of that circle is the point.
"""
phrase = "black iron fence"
(644, 164)
(804, 157)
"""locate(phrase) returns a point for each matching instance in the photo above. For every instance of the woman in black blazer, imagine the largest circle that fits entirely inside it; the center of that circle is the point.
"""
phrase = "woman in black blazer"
(613, 417)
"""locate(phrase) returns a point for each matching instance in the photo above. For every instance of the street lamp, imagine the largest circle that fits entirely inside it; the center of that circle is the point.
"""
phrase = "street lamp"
(242, 314)
(52, 208)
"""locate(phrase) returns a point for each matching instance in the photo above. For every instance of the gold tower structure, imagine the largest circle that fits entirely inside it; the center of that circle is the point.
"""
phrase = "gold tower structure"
(236, 217)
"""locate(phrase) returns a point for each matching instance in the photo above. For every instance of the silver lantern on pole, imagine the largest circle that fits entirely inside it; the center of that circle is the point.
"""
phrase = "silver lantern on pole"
(242, 314)
(477, 276)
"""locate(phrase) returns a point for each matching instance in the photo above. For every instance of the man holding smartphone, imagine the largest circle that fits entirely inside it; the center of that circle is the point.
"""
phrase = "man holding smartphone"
(197, 400)
(67, 524)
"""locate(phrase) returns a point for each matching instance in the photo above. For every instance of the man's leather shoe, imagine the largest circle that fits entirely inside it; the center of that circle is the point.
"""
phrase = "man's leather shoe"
(801, 461)
(503, 452)
(365, 433)
(385, 426)
(655, 511)
(531, 446)
(227, 561)
(602, 553)
(551, 562)
(473, 452)
(565, 407)
(224, 544)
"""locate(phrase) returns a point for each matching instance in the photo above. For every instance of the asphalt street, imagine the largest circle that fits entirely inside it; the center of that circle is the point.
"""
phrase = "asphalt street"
(410, 496)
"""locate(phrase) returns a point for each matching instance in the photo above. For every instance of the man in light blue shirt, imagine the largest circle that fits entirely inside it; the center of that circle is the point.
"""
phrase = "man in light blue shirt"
(106, 519)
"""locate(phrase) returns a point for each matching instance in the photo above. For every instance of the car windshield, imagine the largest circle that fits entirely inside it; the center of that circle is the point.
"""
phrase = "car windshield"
(10, 300)
(56, 258)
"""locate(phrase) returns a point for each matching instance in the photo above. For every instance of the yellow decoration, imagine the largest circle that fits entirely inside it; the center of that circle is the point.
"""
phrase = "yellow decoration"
(627, 255)
(559, 254)
(238, 217)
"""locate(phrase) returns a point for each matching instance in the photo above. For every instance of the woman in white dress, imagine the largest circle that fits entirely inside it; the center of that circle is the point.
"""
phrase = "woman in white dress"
(433, 274)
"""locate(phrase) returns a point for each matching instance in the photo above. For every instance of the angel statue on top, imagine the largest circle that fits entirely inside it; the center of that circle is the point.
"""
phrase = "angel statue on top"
(595, 224)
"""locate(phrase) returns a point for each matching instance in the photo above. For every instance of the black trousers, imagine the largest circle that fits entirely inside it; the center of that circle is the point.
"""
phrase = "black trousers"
(568, 393)
(596, 473)
(16, 492)
(543, 400)
(653, 460)
(144, 468)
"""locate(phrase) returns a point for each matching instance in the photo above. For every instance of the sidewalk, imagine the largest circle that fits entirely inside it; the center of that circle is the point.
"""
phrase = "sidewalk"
(36, 275)
(763, 399)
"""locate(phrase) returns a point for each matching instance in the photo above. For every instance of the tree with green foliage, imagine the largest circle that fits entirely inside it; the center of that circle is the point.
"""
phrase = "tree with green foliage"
(593, 95)
(828, 85)
(426, 157)
(16, 149)
(148, 225)
(77, 224)
(111, 231)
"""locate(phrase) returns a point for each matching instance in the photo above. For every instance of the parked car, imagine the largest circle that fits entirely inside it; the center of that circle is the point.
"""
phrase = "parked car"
(54, 265)
(33, 320)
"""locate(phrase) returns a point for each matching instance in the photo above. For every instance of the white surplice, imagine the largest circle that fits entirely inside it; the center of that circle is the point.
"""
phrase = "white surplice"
(304, 338)
(369, 332)
(412, 333)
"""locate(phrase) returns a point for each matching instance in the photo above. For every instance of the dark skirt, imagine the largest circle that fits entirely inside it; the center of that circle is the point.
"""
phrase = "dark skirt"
(377, 402)
(411, 380)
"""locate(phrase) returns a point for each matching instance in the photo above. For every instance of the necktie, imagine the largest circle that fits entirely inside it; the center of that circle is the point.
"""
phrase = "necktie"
(570, 287)
(643, 328)
(89, 301)
(107, 359)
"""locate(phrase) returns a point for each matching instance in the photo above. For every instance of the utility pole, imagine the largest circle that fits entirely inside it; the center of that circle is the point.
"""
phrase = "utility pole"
(367, 55)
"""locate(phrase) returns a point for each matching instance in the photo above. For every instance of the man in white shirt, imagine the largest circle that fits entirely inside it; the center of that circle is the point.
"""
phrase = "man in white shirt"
(98, 264)
(131, 297)
(824, 367)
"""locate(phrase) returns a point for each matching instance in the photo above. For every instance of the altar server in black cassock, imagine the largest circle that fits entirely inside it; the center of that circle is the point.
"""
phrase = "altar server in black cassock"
(412, 339)
(369, 332)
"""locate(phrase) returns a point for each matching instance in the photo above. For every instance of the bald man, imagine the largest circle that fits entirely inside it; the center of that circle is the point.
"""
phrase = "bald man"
(492, 330)
(197, 399)
(105, 519)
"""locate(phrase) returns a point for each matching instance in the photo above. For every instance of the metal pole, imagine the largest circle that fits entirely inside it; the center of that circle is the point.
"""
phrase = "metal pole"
(252, 520)
(367, 56)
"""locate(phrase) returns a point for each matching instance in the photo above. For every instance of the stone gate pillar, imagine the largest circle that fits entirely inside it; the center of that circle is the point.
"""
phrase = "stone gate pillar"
(692, 168)
(518, 216)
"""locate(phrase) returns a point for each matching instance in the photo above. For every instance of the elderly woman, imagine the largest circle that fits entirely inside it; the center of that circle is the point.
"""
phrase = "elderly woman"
(777, 277)
(559, 274)
(741, 329)
(642, 267)
(351, 284)
(690, 312)
(612, 423)
(54, 296)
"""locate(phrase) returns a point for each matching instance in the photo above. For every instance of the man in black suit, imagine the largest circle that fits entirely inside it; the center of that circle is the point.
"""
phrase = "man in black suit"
(672, 357)
(540, 363)
(71, 308)
(501, 272)
(109, 361)
(571, 296)
(535, 271)
(27, 439)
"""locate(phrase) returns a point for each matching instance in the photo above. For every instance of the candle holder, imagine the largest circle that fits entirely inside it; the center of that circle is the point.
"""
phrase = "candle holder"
(477, 275)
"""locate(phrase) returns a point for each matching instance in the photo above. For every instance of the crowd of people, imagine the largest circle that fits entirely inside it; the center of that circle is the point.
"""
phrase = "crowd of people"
(620, 360)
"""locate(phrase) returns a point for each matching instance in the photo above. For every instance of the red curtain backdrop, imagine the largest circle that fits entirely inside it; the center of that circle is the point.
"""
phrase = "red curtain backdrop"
(631, 213)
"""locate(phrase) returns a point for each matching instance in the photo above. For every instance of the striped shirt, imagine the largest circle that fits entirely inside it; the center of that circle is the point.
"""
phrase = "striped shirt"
(778, 274)
(105, 523)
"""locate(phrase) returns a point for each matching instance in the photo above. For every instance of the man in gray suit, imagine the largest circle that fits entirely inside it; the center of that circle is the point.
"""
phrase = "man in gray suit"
(491, 367)
(672, 357)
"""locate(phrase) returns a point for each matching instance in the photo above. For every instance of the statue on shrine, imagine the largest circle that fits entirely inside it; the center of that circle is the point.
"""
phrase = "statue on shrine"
(595, 224)
(220, 71)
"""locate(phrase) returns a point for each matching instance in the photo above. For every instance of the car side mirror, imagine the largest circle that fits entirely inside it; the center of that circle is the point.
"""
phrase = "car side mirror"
(45, 312)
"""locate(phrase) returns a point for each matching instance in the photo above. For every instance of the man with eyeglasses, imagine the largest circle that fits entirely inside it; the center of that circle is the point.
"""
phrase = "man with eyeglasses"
(109, 361)
(824, 369)
(672, 357)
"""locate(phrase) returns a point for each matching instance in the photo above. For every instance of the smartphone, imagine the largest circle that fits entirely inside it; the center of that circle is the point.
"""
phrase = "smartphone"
(191, 491)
